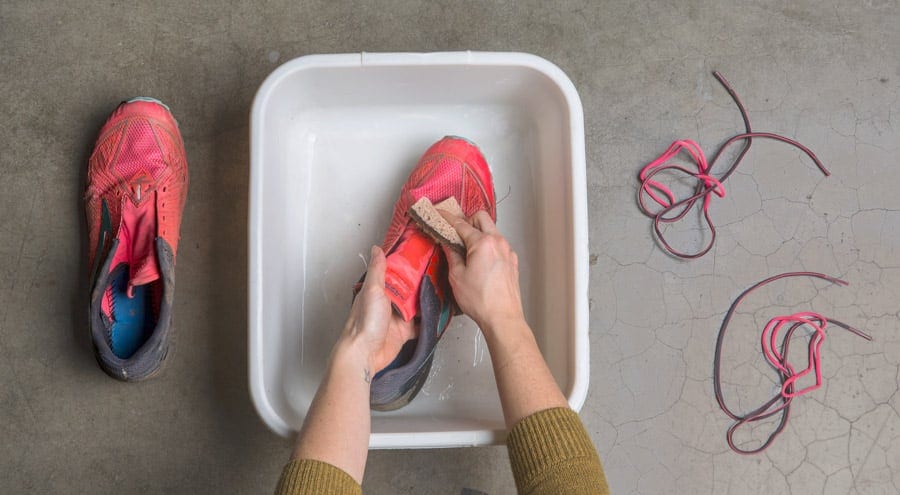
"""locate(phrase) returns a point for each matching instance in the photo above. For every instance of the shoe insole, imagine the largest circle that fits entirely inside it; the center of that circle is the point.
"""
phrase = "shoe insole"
(133, 318)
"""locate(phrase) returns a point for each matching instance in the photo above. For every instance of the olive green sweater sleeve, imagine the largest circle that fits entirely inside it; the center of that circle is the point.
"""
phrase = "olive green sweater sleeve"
(306, 476)
(551, 453)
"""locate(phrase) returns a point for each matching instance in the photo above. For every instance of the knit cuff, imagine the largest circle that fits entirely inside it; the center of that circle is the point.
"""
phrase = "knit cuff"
(307, 476)
(550, 447)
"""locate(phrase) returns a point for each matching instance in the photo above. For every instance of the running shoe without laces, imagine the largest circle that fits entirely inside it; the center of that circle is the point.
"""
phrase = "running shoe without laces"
(136, 189)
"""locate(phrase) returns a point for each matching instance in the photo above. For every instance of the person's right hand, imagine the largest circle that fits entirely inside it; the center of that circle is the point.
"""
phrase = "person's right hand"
(485, 281)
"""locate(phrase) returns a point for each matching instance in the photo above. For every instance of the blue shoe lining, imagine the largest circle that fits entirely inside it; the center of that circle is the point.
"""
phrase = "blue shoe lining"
(132, 317)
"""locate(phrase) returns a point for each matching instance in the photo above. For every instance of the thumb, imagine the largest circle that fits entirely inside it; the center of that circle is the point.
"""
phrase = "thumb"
(456, 260)
(377, 267)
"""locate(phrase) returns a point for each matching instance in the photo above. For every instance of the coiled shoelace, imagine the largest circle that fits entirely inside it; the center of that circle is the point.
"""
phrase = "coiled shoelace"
(672, 209)
(778, 359)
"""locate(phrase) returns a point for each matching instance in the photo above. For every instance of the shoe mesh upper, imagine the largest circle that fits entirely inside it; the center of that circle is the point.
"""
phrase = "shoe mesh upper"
(437, 177)
(138, 146)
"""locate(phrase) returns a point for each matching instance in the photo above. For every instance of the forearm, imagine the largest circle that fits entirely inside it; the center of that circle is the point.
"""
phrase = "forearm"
(549, 449)
(524, 381)
(337, 426)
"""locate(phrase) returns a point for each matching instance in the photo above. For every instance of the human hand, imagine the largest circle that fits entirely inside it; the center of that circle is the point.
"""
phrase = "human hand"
(485, 281)
(373, 333)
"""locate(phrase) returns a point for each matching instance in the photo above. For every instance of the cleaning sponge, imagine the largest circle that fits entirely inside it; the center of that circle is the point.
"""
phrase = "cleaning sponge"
(427, 217)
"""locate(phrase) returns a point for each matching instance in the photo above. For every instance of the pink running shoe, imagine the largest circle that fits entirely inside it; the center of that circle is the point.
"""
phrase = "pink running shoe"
(416, 276)
(137, 185)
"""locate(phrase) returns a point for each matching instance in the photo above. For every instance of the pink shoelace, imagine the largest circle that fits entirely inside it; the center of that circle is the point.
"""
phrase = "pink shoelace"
(778, 359)
(673, 209)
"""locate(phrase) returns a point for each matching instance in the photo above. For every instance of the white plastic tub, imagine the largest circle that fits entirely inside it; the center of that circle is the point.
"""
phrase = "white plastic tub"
(333, 138)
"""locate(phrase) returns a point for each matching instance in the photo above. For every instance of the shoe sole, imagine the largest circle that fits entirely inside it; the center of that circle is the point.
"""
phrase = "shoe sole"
(411, 393)
(149, 100)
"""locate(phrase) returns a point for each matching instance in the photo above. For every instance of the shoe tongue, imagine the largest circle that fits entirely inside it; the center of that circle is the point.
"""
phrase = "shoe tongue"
(406, 265)
(137, 243)
(146, 272)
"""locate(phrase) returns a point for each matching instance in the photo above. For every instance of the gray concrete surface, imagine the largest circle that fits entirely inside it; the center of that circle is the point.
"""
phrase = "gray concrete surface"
(825, 72)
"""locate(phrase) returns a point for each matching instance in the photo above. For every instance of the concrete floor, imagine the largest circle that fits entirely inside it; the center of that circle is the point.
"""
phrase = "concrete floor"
(825, 72)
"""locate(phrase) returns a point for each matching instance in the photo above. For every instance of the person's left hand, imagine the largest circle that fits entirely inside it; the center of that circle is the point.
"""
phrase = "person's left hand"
(373, 329)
